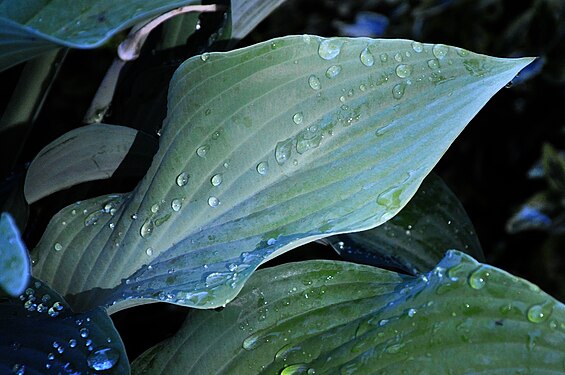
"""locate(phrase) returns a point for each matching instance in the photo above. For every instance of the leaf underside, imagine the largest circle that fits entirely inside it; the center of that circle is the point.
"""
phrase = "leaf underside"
(266, 148)
(39, 334)
(416, 239)
(462, 317)
(30, 29)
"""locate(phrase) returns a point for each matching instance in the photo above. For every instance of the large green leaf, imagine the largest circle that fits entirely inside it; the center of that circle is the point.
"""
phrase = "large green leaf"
(416, 239)
(323, 317)
(266, 148)
(30, 28)
(87, 153)
(14, 260)
(39, 334)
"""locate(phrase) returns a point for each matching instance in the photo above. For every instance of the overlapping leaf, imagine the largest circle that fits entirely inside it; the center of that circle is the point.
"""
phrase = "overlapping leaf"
(30, 29)
(462, 317)
(84, 154)
(39, 334)
(416, 239)
(14, 260)
(266, 148)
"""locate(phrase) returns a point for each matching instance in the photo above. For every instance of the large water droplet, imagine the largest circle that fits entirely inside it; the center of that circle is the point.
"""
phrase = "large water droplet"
(540, 313)
(333, 71)
(216, 180)
(182, 179)
(297, 369)
(478, 279)
(176, 204)
(330, 48)
(298, 118)
(440, 50)
(202, 150)
(213, 202)
(147, 228)
(398, 90)
(403, 70)
(367, 57)
(417, 47)
(314, 82)
(263, 168)
(283, 151)
(103, 359)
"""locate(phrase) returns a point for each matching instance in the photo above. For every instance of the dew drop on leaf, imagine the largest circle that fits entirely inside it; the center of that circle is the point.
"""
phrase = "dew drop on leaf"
(103, 359)
(58, 247)
(213, 202)
(298, 118)
(433, 64)
(478, 278)
(398, 90)
(417, 47)
(176, 205)
(202, 150)
(314, 82)
(216, 180)
(149, 251)
(403, 70)
(182, 179)
(440, 50)
(330, 48)
(539, 313)
(367, 57)
(333, 71)
(147, 228)
(263, 168)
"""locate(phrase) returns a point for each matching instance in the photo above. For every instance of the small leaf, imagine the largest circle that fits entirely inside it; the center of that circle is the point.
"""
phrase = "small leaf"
(14, 260)
(40, 26)
(416, 239)
(536, 213)
(88, 153)
(324, 317)
(39, 334)
(266, 148)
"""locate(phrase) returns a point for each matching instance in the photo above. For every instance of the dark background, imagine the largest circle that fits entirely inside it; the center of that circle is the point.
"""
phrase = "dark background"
(486, 167)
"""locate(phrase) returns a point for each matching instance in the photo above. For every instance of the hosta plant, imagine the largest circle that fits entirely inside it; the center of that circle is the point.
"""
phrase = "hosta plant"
(263, 150)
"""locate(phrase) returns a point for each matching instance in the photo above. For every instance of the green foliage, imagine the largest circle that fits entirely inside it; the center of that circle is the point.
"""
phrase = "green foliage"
(264, 149)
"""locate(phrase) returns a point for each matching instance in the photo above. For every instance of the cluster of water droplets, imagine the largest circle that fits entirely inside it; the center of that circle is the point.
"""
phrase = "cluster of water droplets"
(34, 300)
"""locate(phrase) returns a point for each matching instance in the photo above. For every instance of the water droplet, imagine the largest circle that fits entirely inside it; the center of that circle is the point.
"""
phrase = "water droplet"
(333, 71)
(462, 52)
(362, 87)
(182, 179)
(398, 90)
(147, 228)
(383, 57)
(216, 180)
(440, 50)
(367, 57)
(433, 64)
(176, 205)
(103, 359)
(72, 343)
(111, 225)
(83, 332)
(314, 82)
(271, 241)
(478, 278)
(155, 208)
(412, 312)
(58, 247)
(403, 70)
(540, 313)
(298, 118)
(213, 202)
(149, 251)
(283, 151)
(205, 56)
(263, 168)
(330, 48)
(417, 47)
(297, 369)
(202, 150)
(390, 198)
(398, 57)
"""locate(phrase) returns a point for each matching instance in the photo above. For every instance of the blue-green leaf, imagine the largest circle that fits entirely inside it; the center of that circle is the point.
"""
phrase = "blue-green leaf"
(322, 317)
(266, 148)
